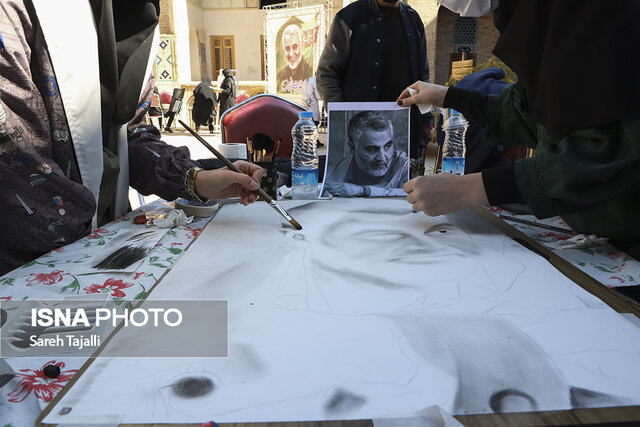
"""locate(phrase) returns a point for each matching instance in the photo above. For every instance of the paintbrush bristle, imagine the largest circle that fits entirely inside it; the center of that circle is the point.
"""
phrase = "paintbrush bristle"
(296, 224)
(261, 141)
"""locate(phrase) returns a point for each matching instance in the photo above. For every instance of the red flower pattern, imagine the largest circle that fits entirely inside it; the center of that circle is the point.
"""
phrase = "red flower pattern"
(57, 250)
(557, 236)
(97, 233)
(192, 232)
(5, 298)
(45, 278)
(496, 210)
(137, 275)
(111, 286)
(43, 387)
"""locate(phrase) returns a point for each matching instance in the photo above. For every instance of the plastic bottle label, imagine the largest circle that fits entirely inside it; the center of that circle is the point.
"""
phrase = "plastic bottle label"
(304, 183)
(454, 165)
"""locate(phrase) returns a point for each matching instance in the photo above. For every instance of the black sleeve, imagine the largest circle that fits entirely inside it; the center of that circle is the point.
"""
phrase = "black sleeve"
(333, 61)
(156, 167)
(473, 105)
(501, 186)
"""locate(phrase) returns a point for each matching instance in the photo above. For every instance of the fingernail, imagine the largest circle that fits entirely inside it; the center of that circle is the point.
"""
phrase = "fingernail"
(400, 102)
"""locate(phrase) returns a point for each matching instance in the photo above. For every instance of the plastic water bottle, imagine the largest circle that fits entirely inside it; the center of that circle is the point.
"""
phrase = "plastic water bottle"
(304, 158)
(453, 149)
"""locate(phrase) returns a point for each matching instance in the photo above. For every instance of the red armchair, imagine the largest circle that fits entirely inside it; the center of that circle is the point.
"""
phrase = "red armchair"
(265, 113)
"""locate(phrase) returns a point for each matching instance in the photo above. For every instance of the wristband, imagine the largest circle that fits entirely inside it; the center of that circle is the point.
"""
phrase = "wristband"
(191, 184)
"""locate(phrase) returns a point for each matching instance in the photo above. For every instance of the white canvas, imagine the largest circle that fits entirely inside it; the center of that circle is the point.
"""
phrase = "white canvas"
(371, 310)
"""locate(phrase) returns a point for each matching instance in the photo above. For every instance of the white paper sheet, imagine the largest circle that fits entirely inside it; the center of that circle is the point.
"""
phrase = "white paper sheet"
(372, 310)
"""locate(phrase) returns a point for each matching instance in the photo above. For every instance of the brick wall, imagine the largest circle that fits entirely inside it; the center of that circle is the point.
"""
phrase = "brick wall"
(444, 45)
(428, 10)
(487, 37)
(485, 40)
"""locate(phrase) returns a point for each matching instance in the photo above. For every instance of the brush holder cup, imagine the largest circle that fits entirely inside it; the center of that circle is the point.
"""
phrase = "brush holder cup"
(269, 181)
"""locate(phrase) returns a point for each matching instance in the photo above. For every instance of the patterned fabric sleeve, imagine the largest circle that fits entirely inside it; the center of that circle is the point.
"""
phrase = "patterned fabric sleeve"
(156, 167)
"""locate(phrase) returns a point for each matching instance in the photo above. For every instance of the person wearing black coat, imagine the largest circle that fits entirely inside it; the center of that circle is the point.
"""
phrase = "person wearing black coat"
(204, 102)
(228, 90)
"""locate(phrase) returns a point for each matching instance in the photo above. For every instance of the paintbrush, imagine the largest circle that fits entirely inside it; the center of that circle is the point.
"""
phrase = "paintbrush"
(234, 168)
(537, 224)
(249, 148)
(263, 146)
(275, 150)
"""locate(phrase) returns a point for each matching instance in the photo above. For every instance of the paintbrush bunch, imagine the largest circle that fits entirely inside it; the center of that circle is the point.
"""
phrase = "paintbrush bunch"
(262, 148)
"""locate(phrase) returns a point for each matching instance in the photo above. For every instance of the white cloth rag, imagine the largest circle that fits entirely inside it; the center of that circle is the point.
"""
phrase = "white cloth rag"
(426, 108)
(172, 219)
(579, 241)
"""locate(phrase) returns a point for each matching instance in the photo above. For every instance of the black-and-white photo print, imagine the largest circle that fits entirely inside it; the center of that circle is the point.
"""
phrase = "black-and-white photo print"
(367, 150)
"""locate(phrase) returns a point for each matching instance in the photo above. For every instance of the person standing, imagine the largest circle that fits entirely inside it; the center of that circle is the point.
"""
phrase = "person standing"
(375, 49)
(311, 98)
(69, 164)
(584, 127)
(228, 91)
(204, 102)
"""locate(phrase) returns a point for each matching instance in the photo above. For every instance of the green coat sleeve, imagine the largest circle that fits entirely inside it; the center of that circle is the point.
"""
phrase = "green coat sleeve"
(590, 177)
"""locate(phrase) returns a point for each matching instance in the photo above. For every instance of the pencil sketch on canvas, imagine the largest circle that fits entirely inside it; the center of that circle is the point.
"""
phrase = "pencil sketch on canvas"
(367, 150)
(370, 311)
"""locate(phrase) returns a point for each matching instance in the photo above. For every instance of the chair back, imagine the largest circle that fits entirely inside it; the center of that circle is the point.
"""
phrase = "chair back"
(176, 100)
(165, 97)
(265, 113)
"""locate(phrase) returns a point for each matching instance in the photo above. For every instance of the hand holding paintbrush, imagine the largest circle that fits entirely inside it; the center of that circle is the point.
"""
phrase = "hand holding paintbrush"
(228, 183)
(259, 191)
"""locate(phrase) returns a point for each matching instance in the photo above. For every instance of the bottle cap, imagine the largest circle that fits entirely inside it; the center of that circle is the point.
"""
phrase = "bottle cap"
(305, 114)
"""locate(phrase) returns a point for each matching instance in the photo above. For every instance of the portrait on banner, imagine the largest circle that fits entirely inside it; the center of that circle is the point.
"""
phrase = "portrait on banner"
(294, 47)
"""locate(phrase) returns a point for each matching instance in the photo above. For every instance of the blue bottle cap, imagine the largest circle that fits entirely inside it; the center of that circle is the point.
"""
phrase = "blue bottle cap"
(305, 114)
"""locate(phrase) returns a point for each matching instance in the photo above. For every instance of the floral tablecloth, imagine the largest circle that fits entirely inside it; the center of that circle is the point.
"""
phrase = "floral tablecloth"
(50, 277)
(607, 264)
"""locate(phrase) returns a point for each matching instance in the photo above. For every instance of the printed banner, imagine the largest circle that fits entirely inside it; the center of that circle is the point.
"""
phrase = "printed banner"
(295, 38)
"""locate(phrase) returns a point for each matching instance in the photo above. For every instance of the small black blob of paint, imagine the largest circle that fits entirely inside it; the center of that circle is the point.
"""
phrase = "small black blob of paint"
(51, 371)
(192, 387)
(64, 411)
